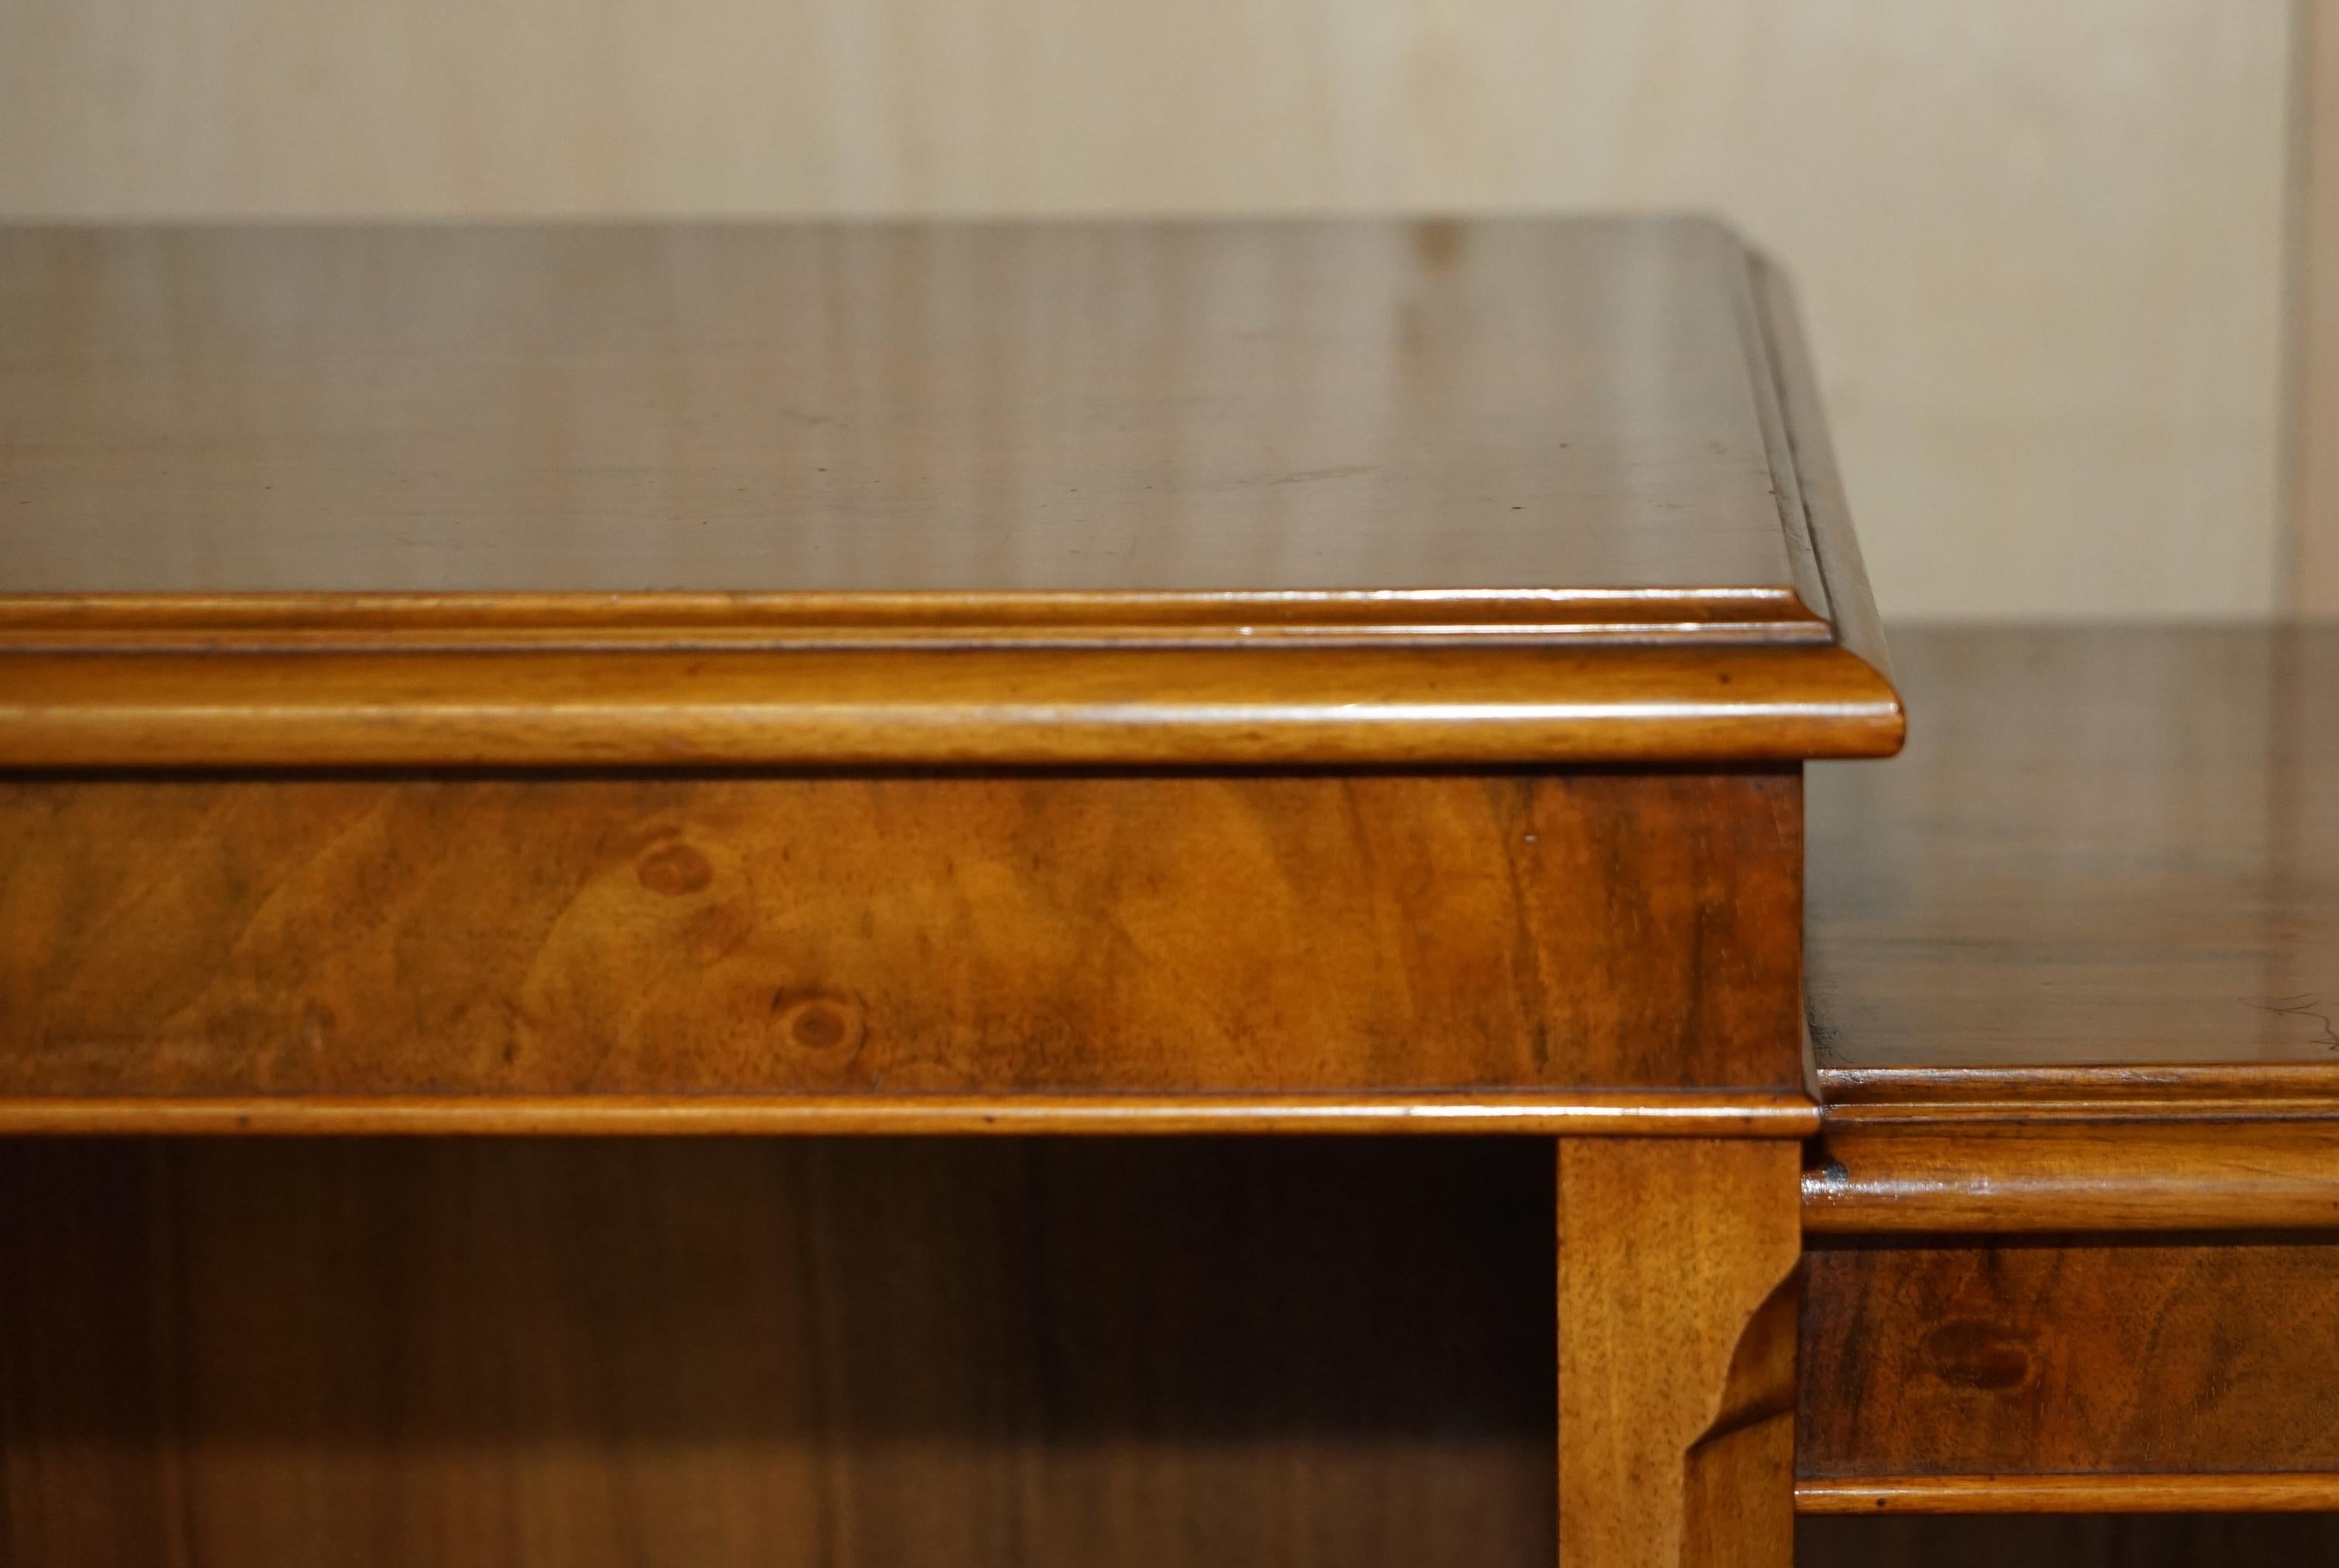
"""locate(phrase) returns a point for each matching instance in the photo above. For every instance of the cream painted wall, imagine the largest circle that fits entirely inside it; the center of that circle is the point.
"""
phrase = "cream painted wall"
(2040, 245)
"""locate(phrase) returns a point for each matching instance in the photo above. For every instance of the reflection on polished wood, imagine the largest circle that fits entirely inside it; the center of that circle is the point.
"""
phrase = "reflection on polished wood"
(956, 941)
(1084, 495)
(1518, 406)
(968, 707)
(782, 1352)
(1509, 1113)
(857, 1351)
(2303, 1493)
(2072, 962)
(2165, 1164)
(1677, 1305)
(2171, 1355)
(2103, 847)
(1275, 678)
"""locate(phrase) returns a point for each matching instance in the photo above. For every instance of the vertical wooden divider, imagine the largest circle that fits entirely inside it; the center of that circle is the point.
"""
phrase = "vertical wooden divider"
(1678, 1268)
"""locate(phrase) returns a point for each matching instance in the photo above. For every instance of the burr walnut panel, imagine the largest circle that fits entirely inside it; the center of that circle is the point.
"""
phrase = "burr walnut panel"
(2072, 1356)
(929, 936)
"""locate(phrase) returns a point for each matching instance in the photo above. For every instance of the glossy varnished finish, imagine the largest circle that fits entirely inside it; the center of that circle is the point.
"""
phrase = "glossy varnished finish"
(2112, 848)
(1509, 1113)
(1252, 409)
(1677, 1276)
(2202, 1167)
(776, 1353)
(854, 1351)
(2153, 1539)
(1257, 493)
(1277, 677)
(1252, 945)
(2202, 1493)
(2073, 961)
(2070, 966)
(1258, 708)
(785, 1351)
(2182, 1354)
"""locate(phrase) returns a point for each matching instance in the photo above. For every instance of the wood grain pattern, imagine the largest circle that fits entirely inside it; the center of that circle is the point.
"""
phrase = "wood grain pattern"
(2236, 1088)
(2116, 1541)
(2099, 1494)
(724, 902)
(963, 708)
(2069, 960)
(1677, 1266)
(2071, 1358)
(2020, 1173)
(1085, 495)
(1247, 410)
(2103, 848)
(391, 1353)
(962, 938)
(1811, 453)
(2095, 1206)
(1508, 1112)
(717, 1353)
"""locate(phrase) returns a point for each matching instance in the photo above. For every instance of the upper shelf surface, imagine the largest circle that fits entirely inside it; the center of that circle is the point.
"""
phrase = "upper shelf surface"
(2111, 854)
(348, 439)
(1049, 408)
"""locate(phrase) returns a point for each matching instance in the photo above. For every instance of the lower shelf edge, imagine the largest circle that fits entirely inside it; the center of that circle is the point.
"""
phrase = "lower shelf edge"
(2192, 1493)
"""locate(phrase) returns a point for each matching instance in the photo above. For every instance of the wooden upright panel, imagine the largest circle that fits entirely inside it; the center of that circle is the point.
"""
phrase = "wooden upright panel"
(1677, 1301)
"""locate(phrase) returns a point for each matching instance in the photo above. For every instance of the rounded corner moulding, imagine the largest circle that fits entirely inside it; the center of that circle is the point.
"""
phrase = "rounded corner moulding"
(2176, 1491)
(1572, 704)
(1204, 538)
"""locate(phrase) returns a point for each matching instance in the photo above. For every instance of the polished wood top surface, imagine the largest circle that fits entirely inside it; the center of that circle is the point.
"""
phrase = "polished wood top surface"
(1531, 490)
(1259, 408)
(2114, 846)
